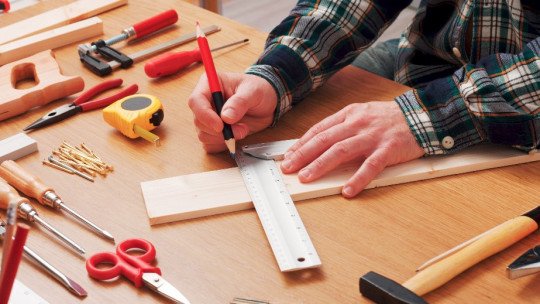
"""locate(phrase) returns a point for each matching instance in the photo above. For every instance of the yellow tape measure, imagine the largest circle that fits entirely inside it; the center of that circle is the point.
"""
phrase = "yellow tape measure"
(135, 116)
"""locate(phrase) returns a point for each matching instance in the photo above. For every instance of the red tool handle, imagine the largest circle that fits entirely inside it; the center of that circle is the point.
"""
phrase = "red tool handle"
(155, 23)
(103, 102)
(171, 63)
(95, 90)
(4, 6)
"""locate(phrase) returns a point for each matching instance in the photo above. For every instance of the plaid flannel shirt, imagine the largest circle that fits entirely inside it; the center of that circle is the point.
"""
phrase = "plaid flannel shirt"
(474, 65)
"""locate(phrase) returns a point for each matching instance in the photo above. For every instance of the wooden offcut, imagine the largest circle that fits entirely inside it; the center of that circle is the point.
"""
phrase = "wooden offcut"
(73, 12)
(40, 69)
(202, 194)
(51, 39)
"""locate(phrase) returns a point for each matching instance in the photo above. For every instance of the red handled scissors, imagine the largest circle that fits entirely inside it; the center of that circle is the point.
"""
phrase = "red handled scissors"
(84, 103)
(135, 268)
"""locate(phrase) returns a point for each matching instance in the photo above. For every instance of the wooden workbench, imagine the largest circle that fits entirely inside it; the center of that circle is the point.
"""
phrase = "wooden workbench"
(391, 230)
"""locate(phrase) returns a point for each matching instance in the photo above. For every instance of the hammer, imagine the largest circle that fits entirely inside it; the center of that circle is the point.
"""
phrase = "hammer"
(446, 266)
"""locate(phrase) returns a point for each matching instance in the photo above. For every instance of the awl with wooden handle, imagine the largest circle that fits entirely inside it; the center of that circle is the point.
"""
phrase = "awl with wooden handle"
(9, 195)
(32, 186)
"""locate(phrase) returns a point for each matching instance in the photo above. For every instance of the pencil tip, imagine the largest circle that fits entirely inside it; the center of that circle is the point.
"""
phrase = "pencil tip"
(231, 145)
(199, 31)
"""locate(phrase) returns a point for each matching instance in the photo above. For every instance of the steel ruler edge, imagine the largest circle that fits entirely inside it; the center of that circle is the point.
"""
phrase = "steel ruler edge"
(282, 224)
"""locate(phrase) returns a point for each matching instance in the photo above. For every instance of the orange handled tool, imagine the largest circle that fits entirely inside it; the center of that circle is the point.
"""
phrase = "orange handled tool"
(8, 195)
(172, 63)
(32, 186)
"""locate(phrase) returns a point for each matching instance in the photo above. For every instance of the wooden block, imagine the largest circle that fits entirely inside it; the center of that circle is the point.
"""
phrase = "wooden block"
(17, 146)
(51, 39)
(50, 84)
(67, 14)
(202, 194)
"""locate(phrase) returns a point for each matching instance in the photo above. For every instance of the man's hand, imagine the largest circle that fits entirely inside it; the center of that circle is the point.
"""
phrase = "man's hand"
(375, 132)
(250, 106)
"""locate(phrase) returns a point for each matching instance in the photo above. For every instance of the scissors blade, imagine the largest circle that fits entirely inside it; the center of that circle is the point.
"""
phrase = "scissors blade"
(155, 282)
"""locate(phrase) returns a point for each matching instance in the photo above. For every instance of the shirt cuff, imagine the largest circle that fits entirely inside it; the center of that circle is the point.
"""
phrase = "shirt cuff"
(441, 125)
(271, 74)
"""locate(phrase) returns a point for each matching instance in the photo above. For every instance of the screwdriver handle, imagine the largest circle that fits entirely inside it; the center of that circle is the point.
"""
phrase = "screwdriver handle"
(8, 194)
(171, 63)
(23, 180)
(155, 23)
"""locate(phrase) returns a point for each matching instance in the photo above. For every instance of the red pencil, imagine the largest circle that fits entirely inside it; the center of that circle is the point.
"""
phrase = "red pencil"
(12, 265)
(215, 88)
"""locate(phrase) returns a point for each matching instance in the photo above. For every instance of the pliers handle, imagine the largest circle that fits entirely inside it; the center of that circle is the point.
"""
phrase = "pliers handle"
(86, 105)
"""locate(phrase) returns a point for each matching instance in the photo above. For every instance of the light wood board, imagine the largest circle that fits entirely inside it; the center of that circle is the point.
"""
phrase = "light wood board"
(208, 193)
(51, 39)
(67, 14)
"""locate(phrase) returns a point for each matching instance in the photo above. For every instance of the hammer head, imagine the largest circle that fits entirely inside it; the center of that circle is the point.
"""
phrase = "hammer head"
(380, 289)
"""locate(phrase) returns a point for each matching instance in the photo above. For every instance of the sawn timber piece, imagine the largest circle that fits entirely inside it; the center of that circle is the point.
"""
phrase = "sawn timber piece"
(50, 84)
(215, 192)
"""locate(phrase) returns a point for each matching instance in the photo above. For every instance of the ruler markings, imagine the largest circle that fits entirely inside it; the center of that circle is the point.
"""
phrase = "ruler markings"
(281, 222)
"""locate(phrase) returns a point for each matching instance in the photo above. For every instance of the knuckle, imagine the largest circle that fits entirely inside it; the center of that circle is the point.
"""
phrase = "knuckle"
(317, 164)
(375, 163)
(300, 154)
(341, 149)
(201, 136)
(322, 139)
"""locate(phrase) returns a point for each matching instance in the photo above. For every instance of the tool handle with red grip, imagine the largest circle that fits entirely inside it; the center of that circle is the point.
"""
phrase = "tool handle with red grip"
(171, 63)
(5, 6)
(155, 23)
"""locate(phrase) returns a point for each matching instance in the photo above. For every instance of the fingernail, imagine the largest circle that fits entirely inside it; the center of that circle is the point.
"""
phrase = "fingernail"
(305, 173)
(286, 164)
(230, 113)
(348, 191)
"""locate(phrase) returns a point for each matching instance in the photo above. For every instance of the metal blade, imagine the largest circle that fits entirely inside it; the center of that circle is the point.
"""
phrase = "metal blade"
(526, 264)
(272, 150)
(155, 282)
(54, 116)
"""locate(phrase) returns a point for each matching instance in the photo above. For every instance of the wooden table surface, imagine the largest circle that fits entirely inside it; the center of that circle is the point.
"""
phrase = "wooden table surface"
(391, 230)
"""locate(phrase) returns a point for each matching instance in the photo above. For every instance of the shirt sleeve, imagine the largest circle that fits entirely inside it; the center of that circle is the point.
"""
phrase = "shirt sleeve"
(496, 100)
(316, 40)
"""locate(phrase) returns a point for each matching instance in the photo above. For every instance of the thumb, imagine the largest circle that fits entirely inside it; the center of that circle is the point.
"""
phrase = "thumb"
(238, 105)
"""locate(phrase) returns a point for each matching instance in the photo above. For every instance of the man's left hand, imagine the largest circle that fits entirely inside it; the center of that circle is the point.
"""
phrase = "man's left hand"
(374, 132)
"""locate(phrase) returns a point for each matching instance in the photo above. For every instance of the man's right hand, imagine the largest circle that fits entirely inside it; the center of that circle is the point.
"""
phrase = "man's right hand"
(249, 108)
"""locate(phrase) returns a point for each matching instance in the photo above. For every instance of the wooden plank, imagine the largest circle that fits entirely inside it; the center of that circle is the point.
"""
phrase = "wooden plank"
(17, 146)
(51, 39)
(73, 12)
(41, 69)
(202, 194)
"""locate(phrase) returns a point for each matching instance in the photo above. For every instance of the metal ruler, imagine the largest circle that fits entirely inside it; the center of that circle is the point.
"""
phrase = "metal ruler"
(20, 294)
(283, 226)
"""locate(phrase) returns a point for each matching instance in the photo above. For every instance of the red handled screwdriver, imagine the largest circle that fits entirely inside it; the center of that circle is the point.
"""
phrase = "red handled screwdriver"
(171, 63)
(144, 27)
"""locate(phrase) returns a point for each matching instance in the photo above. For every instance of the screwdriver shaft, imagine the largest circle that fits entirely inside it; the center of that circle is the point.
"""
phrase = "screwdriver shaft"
(229, 45)
(86, 222)
(58, 234)
(55, 273)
